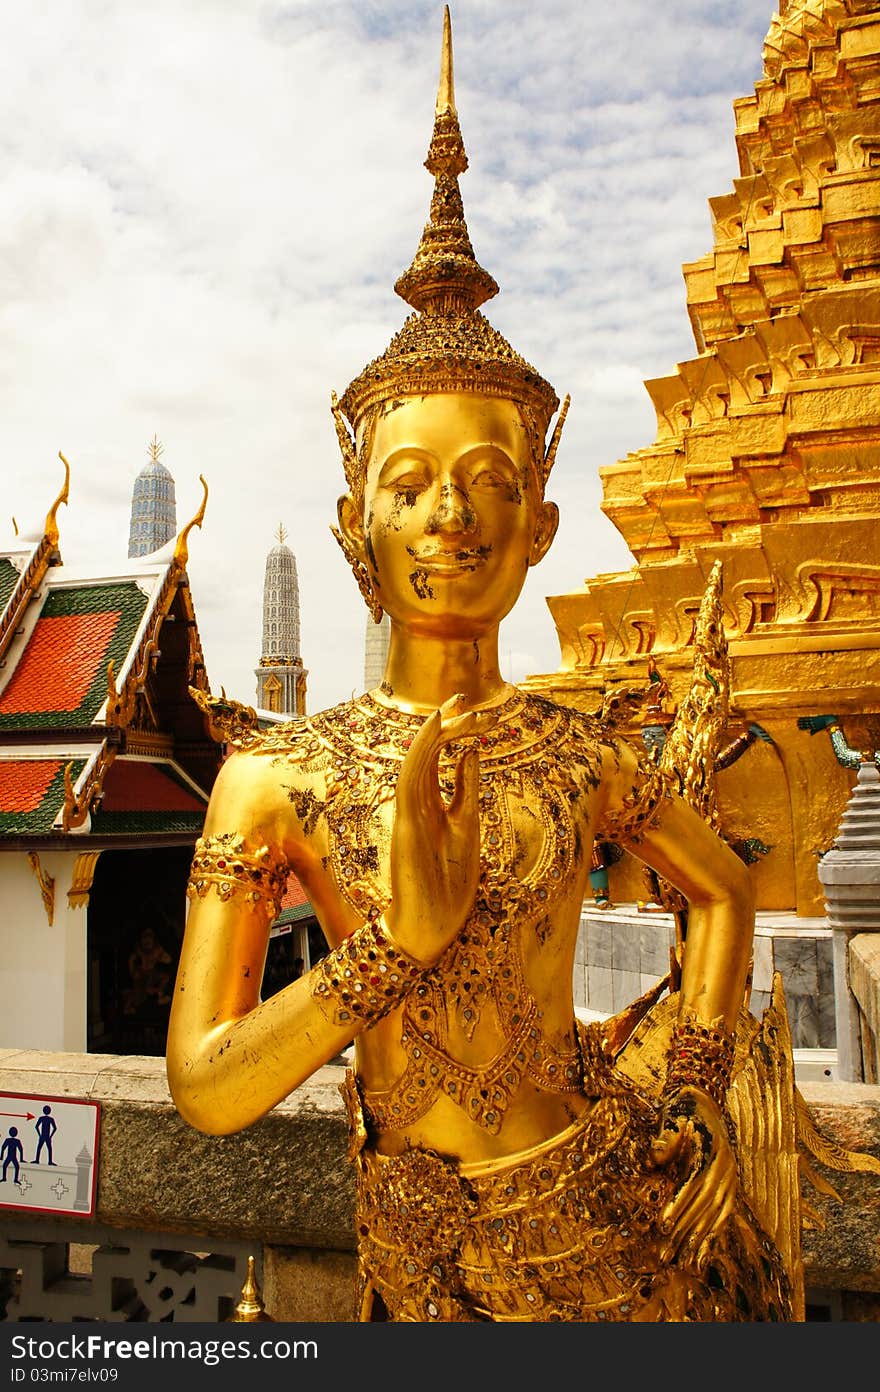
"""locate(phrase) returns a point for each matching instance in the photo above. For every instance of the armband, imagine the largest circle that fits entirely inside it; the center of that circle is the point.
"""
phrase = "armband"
(365, 977)
(700, 1056)
(641, 807)
(225, 864)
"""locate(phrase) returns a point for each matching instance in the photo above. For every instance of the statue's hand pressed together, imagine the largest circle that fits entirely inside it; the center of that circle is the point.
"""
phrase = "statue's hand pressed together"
(435, 844)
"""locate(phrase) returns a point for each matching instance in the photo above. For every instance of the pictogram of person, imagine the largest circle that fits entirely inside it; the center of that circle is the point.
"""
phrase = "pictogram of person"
(45, 1127)
(12, 1154)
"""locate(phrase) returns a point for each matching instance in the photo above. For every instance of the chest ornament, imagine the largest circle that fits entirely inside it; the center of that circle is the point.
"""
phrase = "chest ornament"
(536, 763)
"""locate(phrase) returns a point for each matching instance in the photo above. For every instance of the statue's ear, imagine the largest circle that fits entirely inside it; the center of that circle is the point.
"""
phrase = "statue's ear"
(546, 524)
(351, 525)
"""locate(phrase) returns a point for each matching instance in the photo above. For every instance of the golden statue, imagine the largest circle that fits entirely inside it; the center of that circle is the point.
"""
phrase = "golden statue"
(511, 1162)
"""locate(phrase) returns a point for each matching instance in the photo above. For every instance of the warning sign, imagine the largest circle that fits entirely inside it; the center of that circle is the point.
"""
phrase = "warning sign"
(49, 1154)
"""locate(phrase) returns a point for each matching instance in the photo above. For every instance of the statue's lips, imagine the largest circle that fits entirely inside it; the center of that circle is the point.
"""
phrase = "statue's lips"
(451, 562)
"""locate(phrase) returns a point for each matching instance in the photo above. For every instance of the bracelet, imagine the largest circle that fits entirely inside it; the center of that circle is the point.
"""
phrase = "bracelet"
(700, 1056)
(366, 976)
(223, 864)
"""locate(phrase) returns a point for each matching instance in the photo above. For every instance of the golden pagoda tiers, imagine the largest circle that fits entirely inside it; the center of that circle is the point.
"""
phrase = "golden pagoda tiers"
(767, 458)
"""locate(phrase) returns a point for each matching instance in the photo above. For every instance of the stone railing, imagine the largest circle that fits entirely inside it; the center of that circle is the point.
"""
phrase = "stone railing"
(178, 1213)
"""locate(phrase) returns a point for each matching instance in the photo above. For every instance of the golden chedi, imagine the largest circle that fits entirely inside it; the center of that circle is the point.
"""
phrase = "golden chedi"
(511, 1163)
(767, 460)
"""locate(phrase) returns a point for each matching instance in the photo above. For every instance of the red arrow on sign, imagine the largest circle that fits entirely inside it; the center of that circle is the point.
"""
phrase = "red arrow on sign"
(28, 1116)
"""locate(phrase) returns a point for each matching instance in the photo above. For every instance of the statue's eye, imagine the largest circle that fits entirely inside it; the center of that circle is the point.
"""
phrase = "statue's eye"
(490, 478)
(412, 481)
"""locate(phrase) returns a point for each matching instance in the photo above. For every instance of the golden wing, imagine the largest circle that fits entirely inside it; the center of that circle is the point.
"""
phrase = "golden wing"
(775, 1138)
(762, 1108)
(762, 1105)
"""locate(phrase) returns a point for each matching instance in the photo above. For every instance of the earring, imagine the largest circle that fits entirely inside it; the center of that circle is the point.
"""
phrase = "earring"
(362, 576)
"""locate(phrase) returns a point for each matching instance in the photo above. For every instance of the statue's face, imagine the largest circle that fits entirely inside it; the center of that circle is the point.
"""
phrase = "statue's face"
(452, 514)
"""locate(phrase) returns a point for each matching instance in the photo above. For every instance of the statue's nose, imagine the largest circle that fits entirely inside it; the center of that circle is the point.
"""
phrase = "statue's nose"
(453, 512)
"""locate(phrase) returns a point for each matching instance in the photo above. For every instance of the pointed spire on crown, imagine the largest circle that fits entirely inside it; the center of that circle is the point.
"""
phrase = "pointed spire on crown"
(447, 345)
(445, 276)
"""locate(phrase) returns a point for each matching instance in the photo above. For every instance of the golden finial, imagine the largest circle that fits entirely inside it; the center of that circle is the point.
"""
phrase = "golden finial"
(447, 346)
(181, 550)
(249, 1308)
(15, 526)
(51, 518)
(282, 532)
(445, 276)
(446, 88)
(156, 449)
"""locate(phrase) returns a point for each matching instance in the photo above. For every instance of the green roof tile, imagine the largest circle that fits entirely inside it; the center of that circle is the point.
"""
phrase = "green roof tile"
(8, 581)
(130, 823)
(37, 819)
(54, 695)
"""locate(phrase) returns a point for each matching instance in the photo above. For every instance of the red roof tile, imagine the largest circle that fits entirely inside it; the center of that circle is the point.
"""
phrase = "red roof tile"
(60, 662)
(294, 895)
(137, 786)
(24, 782)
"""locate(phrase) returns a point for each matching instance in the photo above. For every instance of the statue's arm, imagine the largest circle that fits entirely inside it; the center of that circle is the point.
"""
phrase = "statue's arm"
(686, 851)
(663, 831)
(230, 1057)
(675, 842)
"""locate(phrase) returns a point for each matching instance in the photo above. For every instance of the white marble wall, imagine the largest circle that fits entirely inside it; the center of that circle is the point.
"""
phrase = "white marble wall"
(621, 953)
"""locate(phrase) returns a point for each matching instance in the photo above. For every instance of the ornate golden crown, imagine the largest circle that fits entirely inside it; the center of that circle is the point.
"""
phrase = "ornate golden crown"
(447, 345)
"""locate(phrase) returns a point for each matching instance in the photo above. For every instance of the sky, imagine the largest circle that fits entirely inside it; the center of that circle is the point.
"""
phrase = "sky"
(204, 208)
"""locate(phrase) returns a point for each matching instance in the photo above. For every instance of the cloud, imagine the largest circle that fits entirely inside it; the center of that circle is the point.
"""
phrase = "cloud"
(203, 209)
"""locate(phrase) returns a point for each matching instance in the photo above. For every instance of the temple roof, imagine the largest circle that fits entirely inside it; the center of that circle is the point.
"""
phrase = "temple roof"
(139, 795)
(32, 791)
(295, 906)
(59, 678)
(99, 734)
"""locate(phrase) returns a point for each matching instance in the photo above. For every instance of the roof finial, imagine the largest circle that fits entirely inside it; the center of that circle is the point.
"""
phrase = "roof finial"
(446, 88)
(181, 549)
(282, 532)
(155, 449)
(51, 519)
(445, 276)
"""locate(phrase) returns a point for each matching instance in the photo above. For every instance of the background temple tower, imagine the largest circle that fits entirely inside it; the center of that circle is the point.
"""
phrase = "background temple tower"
(153, 507)
(281, 677)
